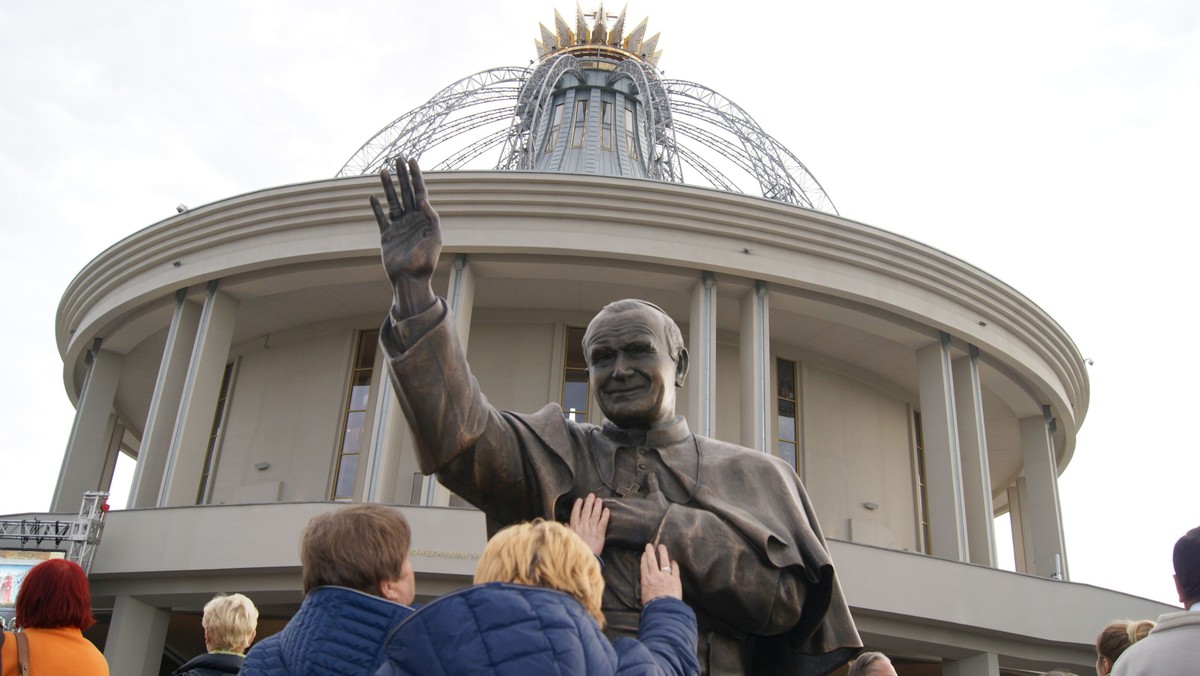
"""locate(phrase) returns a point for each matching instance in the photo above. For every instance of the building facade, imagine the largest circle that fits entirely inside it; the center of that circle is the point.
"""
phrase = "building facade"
(232, 350)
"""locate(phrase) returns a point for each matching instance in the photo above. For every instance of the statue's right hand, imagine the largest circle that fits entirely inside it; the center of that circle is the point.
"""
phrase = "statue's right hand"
(410, 237)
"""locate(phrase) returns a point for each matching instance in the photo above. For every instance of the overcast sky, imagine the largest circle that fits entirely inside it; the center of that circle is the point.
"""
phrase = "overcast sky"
(1051, 144)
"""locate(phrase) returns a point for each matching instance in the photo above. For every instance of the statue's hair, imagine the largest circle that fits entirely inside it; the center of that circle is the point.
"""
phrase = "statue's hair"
(544, 554)
(1118, 636)
(865, 663)
(229, 622)
(669, 327)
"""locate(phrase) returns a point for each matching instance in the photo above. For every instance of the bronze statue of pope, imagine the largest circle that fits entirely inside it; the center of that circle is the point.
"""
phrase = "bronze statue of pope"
(752, 559)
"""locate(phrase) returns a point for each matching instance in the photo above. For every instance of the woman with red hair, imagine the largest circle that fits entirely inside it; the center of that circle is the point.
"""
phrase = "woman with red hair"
(54, 606)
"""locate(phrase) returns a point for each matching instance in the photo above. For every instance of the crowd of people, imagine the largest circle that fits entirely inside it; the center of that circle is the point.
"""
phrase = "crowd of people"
(534, 608)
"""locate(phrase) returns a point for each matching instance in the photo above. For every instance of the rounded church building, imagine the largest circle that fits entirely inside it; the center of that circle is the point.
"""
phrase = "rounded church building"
(232, 350)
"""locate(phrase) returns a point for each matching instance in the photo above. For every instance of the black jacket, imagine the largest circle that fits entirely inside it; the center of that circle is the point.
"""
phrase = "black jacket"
(210, 664)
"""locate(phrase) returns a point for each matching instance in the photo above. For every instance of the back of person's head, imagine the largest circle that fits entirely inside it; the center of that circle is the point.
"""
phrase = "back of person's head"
(544, 554)
(359, 547)
(1186, 558)
(870, 664)
(230, 621)
(1117, 636)
(55, 594)
(1059, 672)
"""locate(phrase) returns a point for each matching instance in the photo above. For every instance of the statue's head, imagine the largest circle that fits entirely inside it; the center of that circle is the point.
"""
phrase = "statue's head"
(636, 360)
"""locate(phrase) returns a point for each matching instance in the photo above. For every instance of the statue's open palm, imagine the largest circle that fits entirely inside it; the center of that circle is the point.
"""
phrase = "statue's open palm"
(410, 236)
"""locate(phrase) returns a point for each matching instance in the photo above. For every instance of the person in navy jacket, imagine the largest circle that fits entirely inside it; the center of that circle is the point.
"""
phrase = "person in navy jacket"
(358, 584)
(536, 610)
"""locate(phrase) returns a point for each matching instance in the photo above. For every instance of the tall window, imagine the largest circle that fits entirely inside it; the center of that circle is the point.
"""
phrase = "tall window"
(580, 123)
(552, 132)
(606, 125)
(787, 409)
(922, 480)
(345, 470)
(575, 394)
(214, 438)
(630, 135)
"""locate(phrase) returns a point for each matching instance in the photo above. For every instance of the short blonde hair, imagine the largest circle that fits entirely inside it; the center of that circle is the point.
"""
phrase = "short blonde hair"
(544, 554)
(229, 622)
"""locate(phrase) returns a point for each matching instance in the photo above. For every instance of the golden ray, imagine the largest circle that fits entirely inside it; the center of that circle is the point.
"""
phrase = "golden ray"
(614, 35)
(633, 43)
(565, 37)
(599, 32)
(581, 29)
(648, 46)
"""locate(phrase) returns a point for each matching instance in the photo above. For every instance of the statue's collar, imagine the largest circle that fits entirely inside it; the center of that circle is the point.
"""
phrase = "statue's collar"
(661, 437)
(674, 443)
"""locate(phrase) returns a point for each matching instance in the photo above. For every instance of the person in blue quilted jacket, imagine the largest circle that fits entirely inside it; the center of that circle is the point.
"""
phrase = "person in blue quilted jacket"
(535, 610)
(358, 584)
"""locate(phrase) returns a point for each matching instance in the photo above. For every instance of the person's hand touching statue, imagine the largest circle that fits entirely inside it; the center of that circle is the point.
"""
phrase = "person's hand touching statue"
(410, 238)
(660, 576)
(589, 520)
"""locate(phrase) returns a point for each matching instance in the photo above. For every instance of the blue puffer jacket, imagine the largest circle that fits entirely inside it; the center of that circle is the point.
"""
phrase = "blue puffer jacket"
(336, 631)
(513, 630)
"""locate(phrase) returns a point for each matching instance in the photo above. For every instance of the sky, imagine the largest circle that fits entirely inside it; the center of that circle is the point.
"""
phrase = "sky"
(1051, 143)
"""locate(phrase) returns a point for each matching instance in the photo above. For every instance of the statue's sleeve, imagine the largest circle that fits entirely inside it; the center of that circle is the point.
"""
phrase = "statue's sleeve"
(476, 451)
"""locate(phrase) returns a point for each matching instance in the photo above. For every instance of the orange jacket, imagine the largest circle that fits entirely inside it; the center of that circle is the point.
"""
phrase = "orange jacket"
(54, 652)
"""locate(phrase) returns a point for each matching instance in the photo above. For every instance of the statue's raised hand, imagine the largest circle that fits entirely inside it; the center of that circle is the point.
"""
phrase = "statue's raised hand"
(410, 237)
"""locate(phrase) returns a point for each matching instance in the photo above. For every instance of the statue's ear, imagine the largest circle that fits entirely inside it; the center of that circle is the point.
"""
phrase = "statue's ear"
(681, 367)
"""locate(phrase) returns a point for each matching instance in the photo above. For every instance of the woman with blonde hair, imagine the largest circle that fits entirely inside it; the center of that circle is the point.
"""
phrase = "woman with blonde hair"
(1115, 638)
(535, 609)
(229, 622)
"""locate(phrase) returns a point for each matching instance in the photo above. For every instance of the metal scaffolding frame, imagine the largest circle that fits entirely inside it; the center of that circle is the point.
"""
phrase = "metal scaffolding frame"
(684, 123)
(80, 535)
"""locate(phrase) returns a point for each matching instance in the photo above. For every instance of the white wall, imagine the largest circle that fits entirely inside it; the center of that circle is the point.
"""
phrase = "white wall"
(856, 449)
(285, 409)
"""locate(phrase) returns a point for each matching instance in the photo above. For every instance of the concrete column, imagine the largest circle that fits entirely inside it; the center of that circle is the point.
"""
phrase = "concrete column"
(983, 664)
(755, 354)
(702, 351)
(198, 401)
(136, 637)
(976, 476)
(1019, 523)
(116, 436)
(943, 472)
(164, 404)
(87, 447)
(460, 296)
(1040, 504)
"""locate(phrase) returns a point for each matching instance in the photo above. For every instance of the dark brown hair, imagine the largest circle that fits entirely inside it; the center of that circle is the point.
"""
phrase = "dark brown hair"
(1186, 558)
(356, 547)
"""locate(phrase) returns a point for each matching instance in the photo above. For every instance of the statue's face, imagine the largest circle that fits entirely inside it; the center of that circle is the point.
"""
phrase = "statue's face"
(631, 369)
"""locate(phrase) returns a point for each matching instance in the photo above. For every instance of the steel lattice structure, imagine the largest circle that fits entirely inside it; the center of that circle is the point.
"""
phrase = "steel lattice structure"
(686, 125)
(79, 535)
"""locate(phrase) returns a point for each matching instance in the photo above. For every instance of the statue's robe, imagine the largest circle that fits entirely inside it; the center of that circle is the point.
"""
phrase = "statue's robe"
(753, 562)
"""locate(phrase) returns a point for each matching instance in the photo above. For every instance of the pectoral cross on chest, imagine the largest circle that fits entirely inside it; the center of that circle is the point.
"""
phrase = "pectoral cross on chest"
(632, 468)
